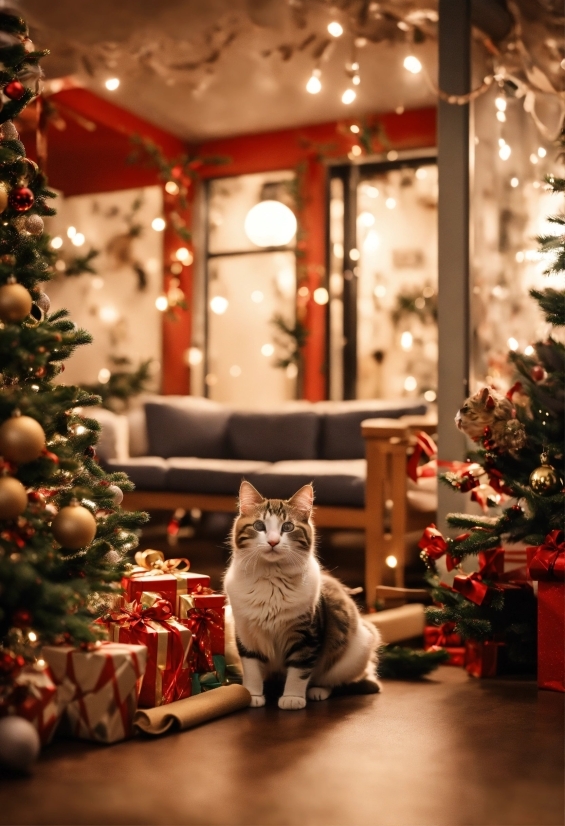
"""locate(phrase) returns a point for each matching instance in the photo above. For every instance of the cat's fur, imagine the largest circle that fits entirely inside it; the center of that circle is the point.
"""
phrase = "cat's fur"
(291, 617)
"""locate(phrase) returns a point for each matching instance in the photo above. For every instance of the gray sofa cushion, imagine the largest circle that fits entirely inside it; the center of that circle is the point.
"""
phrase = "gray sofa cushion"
(146, 472)
(335, 483)
(341, 426)
(220, 476)
(273, 437)
(174, 431)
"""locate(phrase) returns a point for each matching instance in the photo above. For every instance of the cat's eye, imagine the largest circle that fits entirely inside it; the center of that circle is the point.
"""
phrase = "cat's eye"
(287, 526)
(259, 526)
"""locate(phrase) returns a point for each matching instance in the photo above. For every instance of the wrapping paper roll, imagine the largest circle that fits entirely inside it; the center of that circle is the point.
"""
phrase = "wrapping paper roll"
(192, 711)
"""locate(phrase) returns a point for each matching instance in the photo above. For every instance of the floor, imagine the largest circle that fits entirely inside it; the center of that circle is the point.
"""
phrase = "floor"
(446, 751)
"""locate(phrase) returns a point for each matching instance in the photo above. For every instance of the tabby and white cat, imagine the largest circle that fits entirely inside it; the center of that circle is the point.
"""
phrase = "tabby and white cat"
(290, 616)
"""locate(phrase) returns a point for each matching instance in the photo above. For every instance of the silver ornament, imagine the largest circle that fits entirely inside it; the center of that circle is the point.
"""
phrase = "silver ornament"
(44, 302)
(117, 494)
(19, 743)
(33, 224)
(9, 131)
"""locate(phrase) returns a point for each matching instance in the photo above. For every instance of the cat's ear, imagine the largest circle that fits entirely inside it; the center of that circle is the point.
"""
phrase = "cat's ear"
(249, 498)
(303, 500)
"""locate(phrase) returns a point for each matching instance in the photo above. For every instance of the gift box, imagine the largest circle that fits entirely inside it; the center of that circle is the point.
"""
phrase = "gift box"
(36, 699)
(443, 637)
(99, 687)
(210, 679)
(203, 614)
(483, 658)
(168, 577)
(546, 564)
(170, 662)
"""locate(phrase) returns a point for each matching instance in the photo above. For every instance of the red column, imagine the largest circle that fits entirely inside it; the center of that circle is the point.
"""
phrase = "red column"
(314, 221)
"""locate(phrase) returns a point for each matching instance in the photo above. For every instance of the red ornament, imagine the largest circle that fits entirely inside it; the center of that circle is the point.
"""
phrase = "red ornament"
(21, 198)
(21, 618)
(14, 90)
(538, 373)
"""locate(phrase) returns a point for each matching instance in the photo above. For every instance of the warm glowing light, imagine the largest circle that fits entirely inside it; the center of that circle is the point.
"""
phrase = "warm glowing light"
(512, 343)
(211, 379)
(184, 255)
(41, 663)
(172, 188)
(314, 84)
(410, 383)
(235, 371)
(430, 395)
(514, 182)
(291, 371)
(57, 242)
(372, 191)
(529, 351)
(421, 173)
(321, 296)
(108, 314)
(391, 561)
(270, 224)
(504, 152)
(219, 304)
(356, 151)
(158, 224)
(371, 242)
(406, 340)
(303, 292)
(338, 250)
(267, 350)
(32, 636)
(501, 141)
(412, 64)
(390, 203)
(354, 254)
(356, 80)
(392, 155)
(542, 152)
(96, 282)
(112, 84)
(71, 232)
(520, 256)
(366, 219)
(103, 376)
(500, 104)
(533, 158)
(380, 291)
(348, 96)
(257, 296)
(195, 356)
(335, 28)
(354, 128)
(501, 117)
(78, 239)
(162, 303)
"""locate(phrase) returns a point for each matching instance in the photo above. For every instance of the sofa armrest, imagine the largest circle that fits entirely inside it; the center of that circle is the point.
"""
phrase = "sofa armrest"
(114, 434)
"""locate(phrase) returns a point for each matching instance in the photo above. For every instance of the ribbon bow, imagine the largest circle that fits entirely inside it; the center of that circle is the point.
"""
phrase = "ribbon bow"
(547, 561)
(435, 546)
(153, 563)
(471, 587)
(135, 614)
(426, 446)
(201, 621)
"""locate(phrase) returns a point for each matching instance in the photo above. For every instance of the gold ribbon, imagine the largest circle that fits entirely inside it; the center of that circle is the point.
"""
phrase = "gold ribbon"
(154, 563)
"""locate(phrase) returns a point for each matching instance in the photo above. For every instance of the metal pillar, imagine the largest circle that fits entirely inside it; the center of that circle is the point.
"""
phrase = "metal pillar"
(453, 232)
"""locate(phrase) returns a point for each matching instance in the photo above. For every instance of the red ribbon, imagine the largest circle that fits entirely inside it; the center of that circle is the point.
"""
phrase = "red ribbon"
(471, 587)
(434, 546)
(137, 614)
(547, 561)
(201, 622)
(426, 446)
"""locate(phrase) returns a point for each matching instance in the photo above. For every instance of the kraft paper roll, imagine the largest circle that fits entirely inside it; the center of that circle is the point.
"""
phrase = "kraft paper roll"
(193, 711)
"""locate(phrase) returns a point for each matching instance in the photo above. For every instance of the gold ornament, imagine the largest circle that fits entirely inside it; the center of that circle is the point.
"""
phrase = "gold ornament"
(544, 479)
(21, 439)
(4, 192)
(13, 497)
(74, 527)
(15, 302)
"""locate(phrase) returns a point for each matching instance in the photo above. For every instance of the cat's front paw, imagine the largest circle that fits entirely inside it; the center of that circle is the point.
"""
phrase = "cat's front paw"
(257, 700)
(288, 702)
(318, 692)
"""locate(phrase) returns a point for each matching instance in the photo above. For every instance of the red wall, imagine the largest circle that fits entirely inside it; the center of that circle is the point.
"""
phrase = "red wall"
(90, 155)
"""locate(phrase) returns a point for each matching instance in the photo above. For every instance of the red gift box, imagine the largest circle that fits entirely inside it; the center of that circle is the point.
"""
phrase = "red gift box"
(482, 658)
(203, 614)
(546, 563)
(99, 688)
(40, 704)
(170, 665)
(168, 577)
(443, 638)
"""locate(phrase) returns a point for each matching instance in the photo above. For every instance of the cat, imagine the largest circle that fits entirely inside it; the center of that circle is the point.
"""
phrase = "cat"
(291, 617)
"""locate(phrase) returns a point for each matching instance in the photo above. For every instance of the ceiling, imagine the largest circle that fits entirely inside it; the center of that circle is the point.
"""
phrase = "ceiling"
(200, 69)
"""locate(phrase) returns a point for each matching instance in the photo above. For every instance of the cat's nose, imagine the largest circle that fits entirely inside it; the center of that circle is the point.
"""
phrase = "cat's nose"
(273, 539)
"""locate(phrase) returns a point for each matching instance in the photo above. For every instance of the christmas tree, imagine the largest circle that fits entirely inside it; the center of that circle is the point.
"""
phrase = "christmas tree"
(63, 536)
(517, 470)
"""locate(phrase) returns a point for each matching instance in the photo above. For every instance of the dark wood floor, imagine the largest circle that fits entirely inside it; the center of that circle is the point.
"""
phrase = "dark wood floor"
(444, 752)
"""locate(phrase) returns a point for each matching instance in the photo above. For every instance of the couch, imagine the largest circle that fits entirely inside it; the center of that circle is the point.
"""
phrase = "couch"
(190, 452)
